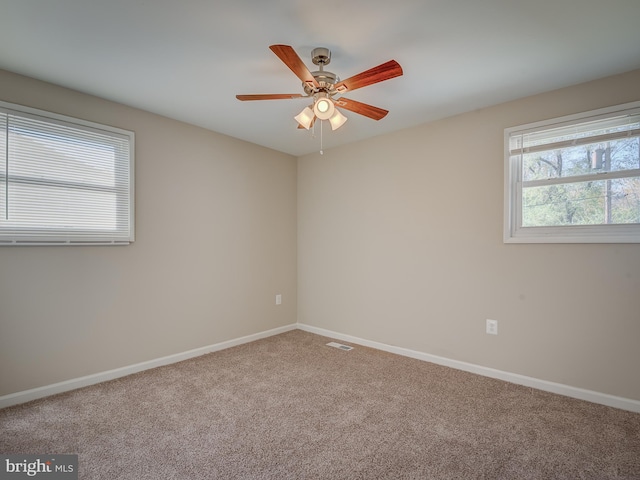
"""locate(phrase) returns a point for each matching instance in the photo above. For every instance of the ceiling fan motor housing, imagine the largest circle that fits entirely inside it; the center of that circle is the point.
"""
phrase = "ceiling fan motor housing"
(321, 56)
(325, 79)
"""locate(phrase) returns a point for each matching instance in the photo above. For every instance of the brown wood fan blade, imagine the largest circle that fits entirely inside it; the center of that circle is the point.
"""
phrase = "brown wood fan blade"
(291, 59)
(361, 108)
(377, 74)
(269, 96)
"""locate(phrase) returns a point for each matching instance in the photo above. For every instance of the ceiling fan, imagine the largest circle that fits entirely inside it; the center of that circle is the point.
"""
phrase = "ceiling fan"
(322, 86)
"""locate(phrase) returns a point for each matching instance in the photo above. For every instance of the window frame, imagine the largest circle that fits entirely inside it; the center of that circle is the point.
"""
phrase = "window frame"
(514, 232)
(40, 234)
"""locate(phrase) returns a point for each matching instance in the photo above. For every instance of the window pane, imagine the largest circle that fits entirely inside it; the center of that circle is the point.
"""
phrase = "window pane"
(586, 203)
(595, 158)
(574, 179)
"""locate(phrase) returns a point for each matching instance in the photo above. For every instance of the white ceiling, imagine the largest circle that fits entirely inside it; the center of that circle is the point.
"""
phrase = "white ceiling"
(188, 59)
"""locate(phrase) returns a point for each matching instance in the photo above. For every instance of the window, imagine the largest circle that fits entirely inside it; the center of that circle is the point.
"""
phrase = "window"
(63, 181)
(574, 179)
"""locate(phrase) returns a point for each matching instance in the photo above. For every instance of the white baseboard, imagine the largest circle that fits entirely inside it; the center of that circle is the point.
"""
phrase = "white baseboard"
(569, 391)
(561, 389)
(47, 390)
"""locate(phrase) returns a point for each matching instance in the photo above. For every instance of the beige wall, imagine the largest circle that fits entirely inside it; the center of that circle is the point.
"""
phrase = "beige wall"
(400, 242)
(215, 242)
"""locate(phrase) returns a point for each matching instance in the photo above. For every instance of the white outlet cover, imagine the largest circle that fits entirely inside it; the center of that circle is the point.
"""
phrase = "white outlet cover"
(278, 299)
(492, 327)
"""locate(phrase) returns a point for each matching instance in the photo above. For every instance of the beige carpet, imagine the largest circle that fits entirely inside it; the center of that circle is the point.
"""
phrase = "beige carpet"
(290, 407)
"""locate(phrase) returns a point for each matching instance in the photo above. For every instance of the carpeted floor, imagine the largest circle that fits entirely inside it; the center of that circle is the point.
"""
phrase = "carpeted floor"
(290, 407)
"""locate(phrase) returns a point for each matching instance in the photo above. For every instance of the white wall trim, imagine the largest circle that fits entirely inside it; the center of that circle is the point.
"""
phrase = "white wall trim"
(47, 390)
(559, 388)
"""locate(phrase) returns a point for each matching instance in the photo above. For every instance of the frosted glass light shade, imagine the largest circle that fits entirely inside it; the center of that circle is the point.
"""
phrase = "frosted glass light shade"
(337, 120)
(324, 108)
(305, 117)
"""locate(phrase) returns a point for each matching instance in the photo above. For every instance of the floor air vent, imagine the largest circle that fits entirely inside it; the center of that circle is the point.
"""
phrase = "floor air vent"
(340, 346)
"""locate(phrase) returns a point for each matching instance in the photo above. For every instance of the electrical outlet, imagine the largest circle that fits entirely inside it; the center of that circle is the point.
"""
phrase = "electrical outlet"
(278, 299)
(492, 327)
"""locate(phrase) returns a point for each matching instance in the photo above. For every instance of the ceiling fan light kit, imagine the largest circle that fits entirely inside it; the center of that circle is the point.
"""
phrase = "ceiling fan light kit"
(323, 85)
(323, 106)
(305, 117)
(337, 120)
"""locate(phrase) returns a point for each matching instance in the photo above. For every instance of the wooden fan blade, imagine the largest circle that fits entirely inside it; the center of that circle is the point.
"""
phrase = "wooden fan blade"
(291, 59)
(361, 108)
(269, 96)
(377, 74)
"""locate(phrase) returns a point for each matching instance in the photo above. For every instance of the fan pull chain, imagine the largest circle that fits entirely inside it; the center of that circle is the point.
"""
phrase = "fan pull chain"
(321, 122)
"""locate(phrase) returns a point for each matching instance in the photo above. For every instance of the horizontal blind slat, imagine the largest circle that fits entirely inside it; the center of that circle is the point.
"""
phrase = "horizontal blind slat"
(576, 142)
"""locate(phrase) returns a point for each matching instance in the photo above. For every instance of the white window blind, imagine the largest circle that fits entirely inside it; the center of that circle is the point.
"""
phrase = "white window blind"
(63, 180)
(575, 179)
